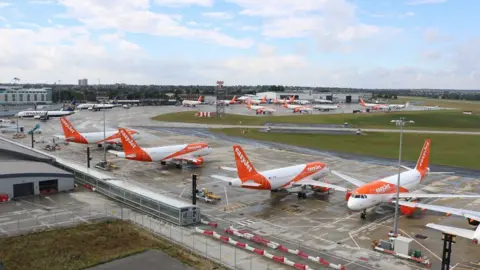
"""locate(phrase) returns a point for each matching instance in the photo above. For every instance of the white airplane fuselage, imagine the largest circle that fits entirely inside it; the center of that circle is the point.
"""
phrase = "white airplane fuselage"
(97, 137)
(383, 190)
(282, 177)
(94, 105)
(36, 114)
(164, 153)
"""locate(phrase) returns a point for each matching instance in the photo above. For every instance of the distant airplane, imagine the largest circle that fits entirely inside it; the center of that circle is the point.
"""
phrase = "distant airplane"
(260, 109)
(319, 100)
(298, 108)
(256, 101)
(95, 106)
(325, 107)
(70, 134)
(47, 114)
(192, 103)
(229, 102)
(298, 179)
(376, 106)
(183, 153)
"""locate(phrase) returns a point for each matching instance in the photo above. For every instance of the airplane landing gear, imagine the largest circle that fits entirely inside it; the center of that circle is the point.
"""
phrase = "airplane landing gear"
(163, 163)
(99, 145)
(178, 166)
(302, 195)
(363, 215)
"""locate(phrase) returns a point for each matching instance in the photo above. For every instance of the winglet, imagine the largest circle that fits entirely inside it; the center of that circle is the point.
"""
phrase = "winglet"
(423, 160)
(244, 166)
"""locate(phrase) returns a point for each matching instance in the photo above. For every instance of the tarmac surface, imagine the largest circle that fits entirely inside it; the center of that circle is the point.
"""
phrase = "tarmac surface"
(151, 259)
(320, 224)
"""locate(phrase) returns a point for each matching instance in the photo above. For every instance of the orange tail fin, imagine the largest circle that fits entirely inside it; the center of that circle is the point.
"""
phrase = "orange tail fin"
(244, 166)
(68, 130)
(424, 159)
(362, 102)
(129, 145)
(200, 99)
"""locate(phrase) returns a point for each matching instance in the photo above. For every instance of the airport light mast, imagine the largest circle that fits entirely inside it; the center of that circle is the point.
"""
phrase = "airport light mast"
(400, 122)
(104, 137)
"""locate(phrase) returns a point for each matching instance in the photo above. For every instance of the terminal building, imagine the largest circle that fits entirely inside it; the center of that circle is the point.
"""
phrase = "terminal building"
(23, 96)
(25, 174)
(311, 96)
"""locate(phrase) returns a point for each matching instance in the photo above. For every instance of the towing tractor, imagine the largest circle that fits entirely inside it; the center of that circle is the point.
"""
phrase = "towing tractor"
(207, 196)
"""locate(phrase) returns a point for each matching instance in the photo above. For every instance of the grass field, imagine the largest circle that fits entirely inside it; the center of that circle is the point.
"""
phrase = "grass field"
(447, 103)
(85, 246)
(435, 120)
(452, 150)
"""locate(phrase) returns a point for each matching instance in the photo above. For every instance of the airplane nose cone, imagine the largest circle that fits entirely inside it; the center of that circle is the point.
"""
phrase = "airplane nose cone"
(353, 205)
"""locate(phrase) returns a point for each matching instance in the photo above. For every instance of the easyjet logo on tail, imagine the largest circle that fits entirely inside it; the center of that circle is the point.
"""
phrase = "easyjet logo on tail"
(127, 138)
(67, 125)
(243, 160)
(424, 153)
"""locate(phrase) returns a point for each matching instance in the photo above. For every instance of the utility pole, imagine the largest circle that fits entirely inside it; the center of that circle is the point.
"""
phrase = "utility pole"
(88, 157)
(401, 122)
(448, 239)
(194, 189)
(104, 137)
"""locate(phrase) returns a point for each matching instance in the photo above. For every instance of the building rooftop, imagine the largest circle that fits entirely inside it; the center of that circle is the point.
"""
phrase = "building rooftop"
(29, 168)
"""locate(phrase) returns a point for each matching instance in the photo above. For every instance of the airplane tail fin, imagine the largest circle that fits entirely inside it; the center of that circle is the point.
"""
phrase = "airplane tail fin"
(129, 145)
(249, 104)
(424, 159)
(234, 98)
(407, 104)
(362, 102)
(68, 129)
(200, 98)
(71, 106)
(244, 166)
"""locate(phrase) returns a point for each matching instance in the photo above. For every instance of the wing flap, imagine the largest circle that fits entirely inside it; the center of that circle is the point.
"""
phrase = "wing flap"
(350, 179)
(469, 234)
(117, 153)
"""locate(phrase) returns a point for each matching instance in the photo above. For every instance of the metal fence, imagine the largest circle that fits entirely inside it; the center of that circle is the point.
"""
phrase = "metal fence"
(24, 222)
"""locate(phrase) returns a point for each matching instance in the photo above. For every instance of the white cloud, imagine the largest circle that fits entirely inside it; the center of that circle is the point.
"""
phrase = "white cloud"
(423, 2)
(42, 2)
(433, 35)
(3, 19)
(218, 15)
(4, 4)
(333, 24)
(135, 17)
(180, 3)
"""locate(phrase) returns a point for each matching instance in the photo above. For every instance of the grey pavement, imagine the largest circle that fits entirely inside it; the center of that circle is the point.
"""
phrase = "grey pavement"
(316, 128)
(151, 259)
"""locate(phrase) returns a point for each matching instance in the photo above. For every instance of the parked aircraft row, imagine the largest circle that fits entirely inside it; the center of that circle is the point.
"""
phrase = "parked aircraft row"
(302, 179)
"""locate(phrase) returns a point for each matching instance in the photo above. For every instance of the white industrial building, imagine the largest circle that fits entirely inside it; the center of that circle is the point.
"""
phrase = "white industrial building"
(18, 96)
(21, 178)
(311, 96)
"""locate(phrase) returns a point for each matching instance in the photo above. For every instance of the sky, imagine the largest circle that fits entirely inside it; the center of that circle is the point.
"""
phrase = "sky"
(340, 43)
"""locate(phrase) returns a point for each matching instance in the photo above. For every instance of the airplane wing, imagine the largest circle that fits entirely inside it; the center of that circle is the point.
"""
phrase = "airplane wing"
(228, 169)
(117, 153)
(444, 209)
(308, 182)
(223, 178)
(436, 195)
(350, 179)
(465, 233)
(59, 137)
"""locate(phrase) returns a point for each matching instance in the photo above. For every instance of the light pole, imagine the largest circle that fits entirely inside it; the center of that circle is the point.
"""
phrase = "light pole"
(400, 122)
(104, 137)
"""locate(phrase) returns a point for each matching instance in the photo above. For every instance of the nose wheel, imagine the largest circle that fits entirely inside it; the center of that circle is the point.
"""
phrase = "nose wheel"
(363, 215)
(302, 195)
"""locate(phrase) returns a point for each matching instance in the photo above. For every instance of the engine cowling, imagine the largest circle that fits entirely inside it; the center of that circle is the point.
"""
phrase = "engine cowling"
(198, 161)
(473, 222)
(407, 211)
(321, 189)
(475, 241)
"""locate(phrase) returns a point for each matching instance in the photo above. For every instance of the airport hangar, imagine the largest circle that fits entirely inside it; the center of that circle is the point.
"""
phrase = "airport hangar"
(26, 174)
(310, 95)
